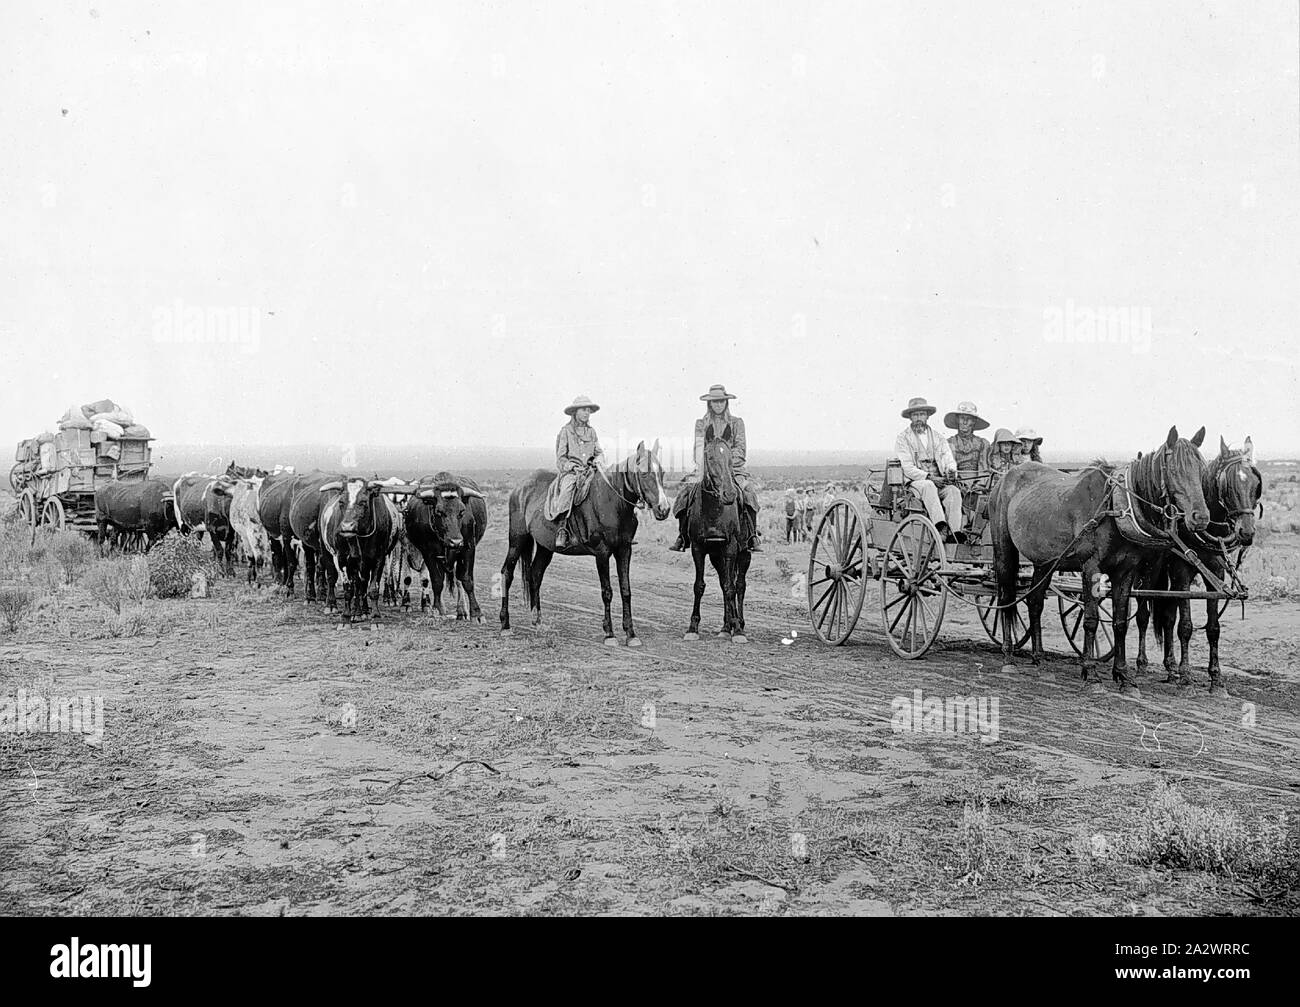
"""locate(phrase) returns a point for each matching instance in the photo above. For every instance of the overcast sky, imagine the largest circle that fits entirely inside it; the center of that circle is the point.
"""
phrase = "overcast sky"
(437, 224)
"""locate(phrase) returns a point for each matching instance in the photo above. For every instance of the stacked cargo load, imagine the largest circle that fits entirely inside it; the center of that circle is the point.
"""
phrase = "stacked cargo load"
(97, 443)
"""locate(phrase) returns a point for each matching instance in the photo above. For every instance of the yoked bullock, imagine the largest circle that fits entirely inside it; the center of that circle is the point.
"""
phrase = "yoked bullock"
(445, 520)
(358, 526)
(145, 508)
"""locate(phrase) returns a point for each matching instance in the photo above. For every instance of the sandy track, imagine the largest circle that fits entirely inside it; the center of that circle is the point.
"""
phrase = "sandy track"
(233, 778)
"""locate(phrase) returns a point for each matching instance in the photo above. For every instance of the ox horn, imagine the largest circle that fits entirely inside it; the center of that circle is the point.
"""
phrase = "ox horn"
(335, 485)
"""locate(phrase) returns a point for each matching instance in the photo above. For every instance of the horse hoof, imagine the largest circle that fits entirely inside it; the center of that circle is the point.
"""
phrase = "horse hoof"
(740, 638)
(479, 620)
(633, 642)
(611, 641)
(690, 637)
(1185, 683)
(1142, 664)
(723, 634)
(507, 632)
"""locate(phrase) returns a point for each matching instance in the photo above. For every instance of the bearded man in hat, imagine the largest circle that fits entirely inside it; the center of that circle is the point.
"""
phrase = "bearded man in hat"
(930, 469)
(577, 450)
(718, 417)
(969, 450)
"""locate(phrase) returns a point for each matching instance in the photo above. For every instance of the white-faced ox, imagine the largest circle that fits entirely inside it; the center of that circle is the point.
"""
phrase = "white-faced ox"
(244, 497)
(445, 521)
(359, 526)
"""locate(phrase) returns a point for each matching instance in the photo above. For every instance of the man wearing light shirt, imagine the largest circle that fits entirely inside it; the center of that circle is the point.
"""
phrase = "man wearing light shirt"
(927, 461)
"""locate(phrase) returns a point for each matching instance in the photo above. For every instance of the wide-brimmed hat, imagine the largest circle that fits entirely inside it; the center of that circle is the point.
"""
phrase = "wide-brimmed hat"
(965, 409)
(918, 403)
(581, 402)
(1029, 434)
(1005, 436)
(716, 393)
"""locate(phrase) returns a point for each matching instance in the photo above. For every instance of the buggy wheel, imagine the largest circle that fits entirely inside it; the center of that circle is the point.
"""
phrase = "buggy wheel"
(1070, 604)
(53, 514)
(989, 616)
(913, 591)
(18, 477)
(837, 572)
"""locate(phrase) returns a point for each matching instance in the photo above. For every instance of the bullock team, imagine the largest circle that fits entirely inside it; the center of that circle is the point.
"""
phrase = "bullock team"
(337, 529)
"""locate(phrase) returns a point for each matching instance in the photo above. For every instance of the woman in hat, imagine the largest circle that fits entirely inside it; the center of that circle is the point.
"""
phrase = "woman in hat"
(1029, 441)
(969, 450)
(1006, 451)
(576, 448)
(718, 416)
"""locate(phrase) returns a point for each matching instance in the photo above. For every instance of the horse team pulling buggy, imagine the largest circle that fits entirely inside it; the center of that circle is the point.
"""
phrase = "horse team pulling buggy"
(1139, 516)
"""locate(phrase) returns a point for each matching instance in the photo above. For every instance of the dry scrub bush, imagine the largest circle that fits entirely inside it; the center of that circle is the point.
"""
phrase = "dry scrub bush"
(115, 582)
(173, 563)
(73, 552)
(15, 603)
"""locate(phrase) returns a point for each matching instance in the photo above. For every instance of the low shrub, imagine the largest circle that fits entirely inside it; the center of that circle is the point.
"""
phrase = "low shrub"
(15, 603)
(173, 562)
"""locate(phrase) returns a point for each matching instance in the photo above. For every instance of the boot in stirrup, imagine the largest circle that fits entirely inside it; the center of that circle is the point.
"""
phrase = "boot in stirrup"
(681, 544)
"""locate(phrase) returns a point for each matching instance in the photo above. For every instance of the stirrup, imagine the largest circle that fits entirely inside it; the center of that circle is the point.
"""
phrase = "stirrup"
(755, 543)
(679, 545)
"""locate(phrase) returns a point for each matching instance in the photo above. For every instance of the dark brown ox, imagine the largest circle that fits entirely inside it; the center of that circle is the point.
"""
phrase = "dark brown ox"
(143, 508)
(445, 521)
(307, 495)
(273, 502)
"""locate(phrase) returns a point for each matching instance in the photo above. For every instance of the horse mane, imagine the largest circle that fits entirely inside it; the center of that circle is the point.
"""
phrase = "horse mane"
(1145, 483)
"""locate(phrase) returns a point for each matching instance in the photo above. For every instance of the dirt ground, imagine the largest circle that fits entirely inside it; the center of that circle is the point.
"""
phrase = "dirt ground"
(260, 758)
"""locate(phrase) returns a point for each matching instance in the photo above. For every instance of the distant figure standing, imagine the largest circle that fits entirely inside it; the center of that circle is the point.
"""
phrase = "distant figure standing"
(810, 513)
(791, 515)
(801, 512)
(828, 497)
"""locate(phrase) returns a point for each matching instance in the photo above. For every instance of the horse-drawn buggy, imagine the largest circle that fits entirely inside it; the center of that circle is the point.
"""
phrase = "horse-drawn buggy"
(56, 476)
(894, 542)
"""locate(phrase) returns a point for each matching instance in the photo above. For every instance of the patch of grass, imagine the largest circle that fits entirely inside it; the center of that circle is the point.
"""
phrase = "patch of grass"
(1005, 793)
(1176, 833)
(973, 845)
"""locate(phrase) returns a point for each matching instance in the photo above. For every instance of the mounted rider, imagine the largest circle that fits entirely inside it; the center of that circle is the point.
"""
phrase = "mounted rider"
(929, 468)
(718, 417)
(577, 455)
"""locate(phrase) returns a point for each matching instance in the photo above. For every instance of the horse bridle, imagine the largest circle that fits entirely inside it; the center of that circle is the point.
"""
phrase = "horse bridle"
(705, 481)
(1232, 514)
(639, 499)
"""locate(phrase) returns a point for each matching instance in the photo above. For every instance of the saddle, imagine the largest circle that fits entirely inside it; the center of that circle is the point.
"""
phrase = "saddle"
(581, 490)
